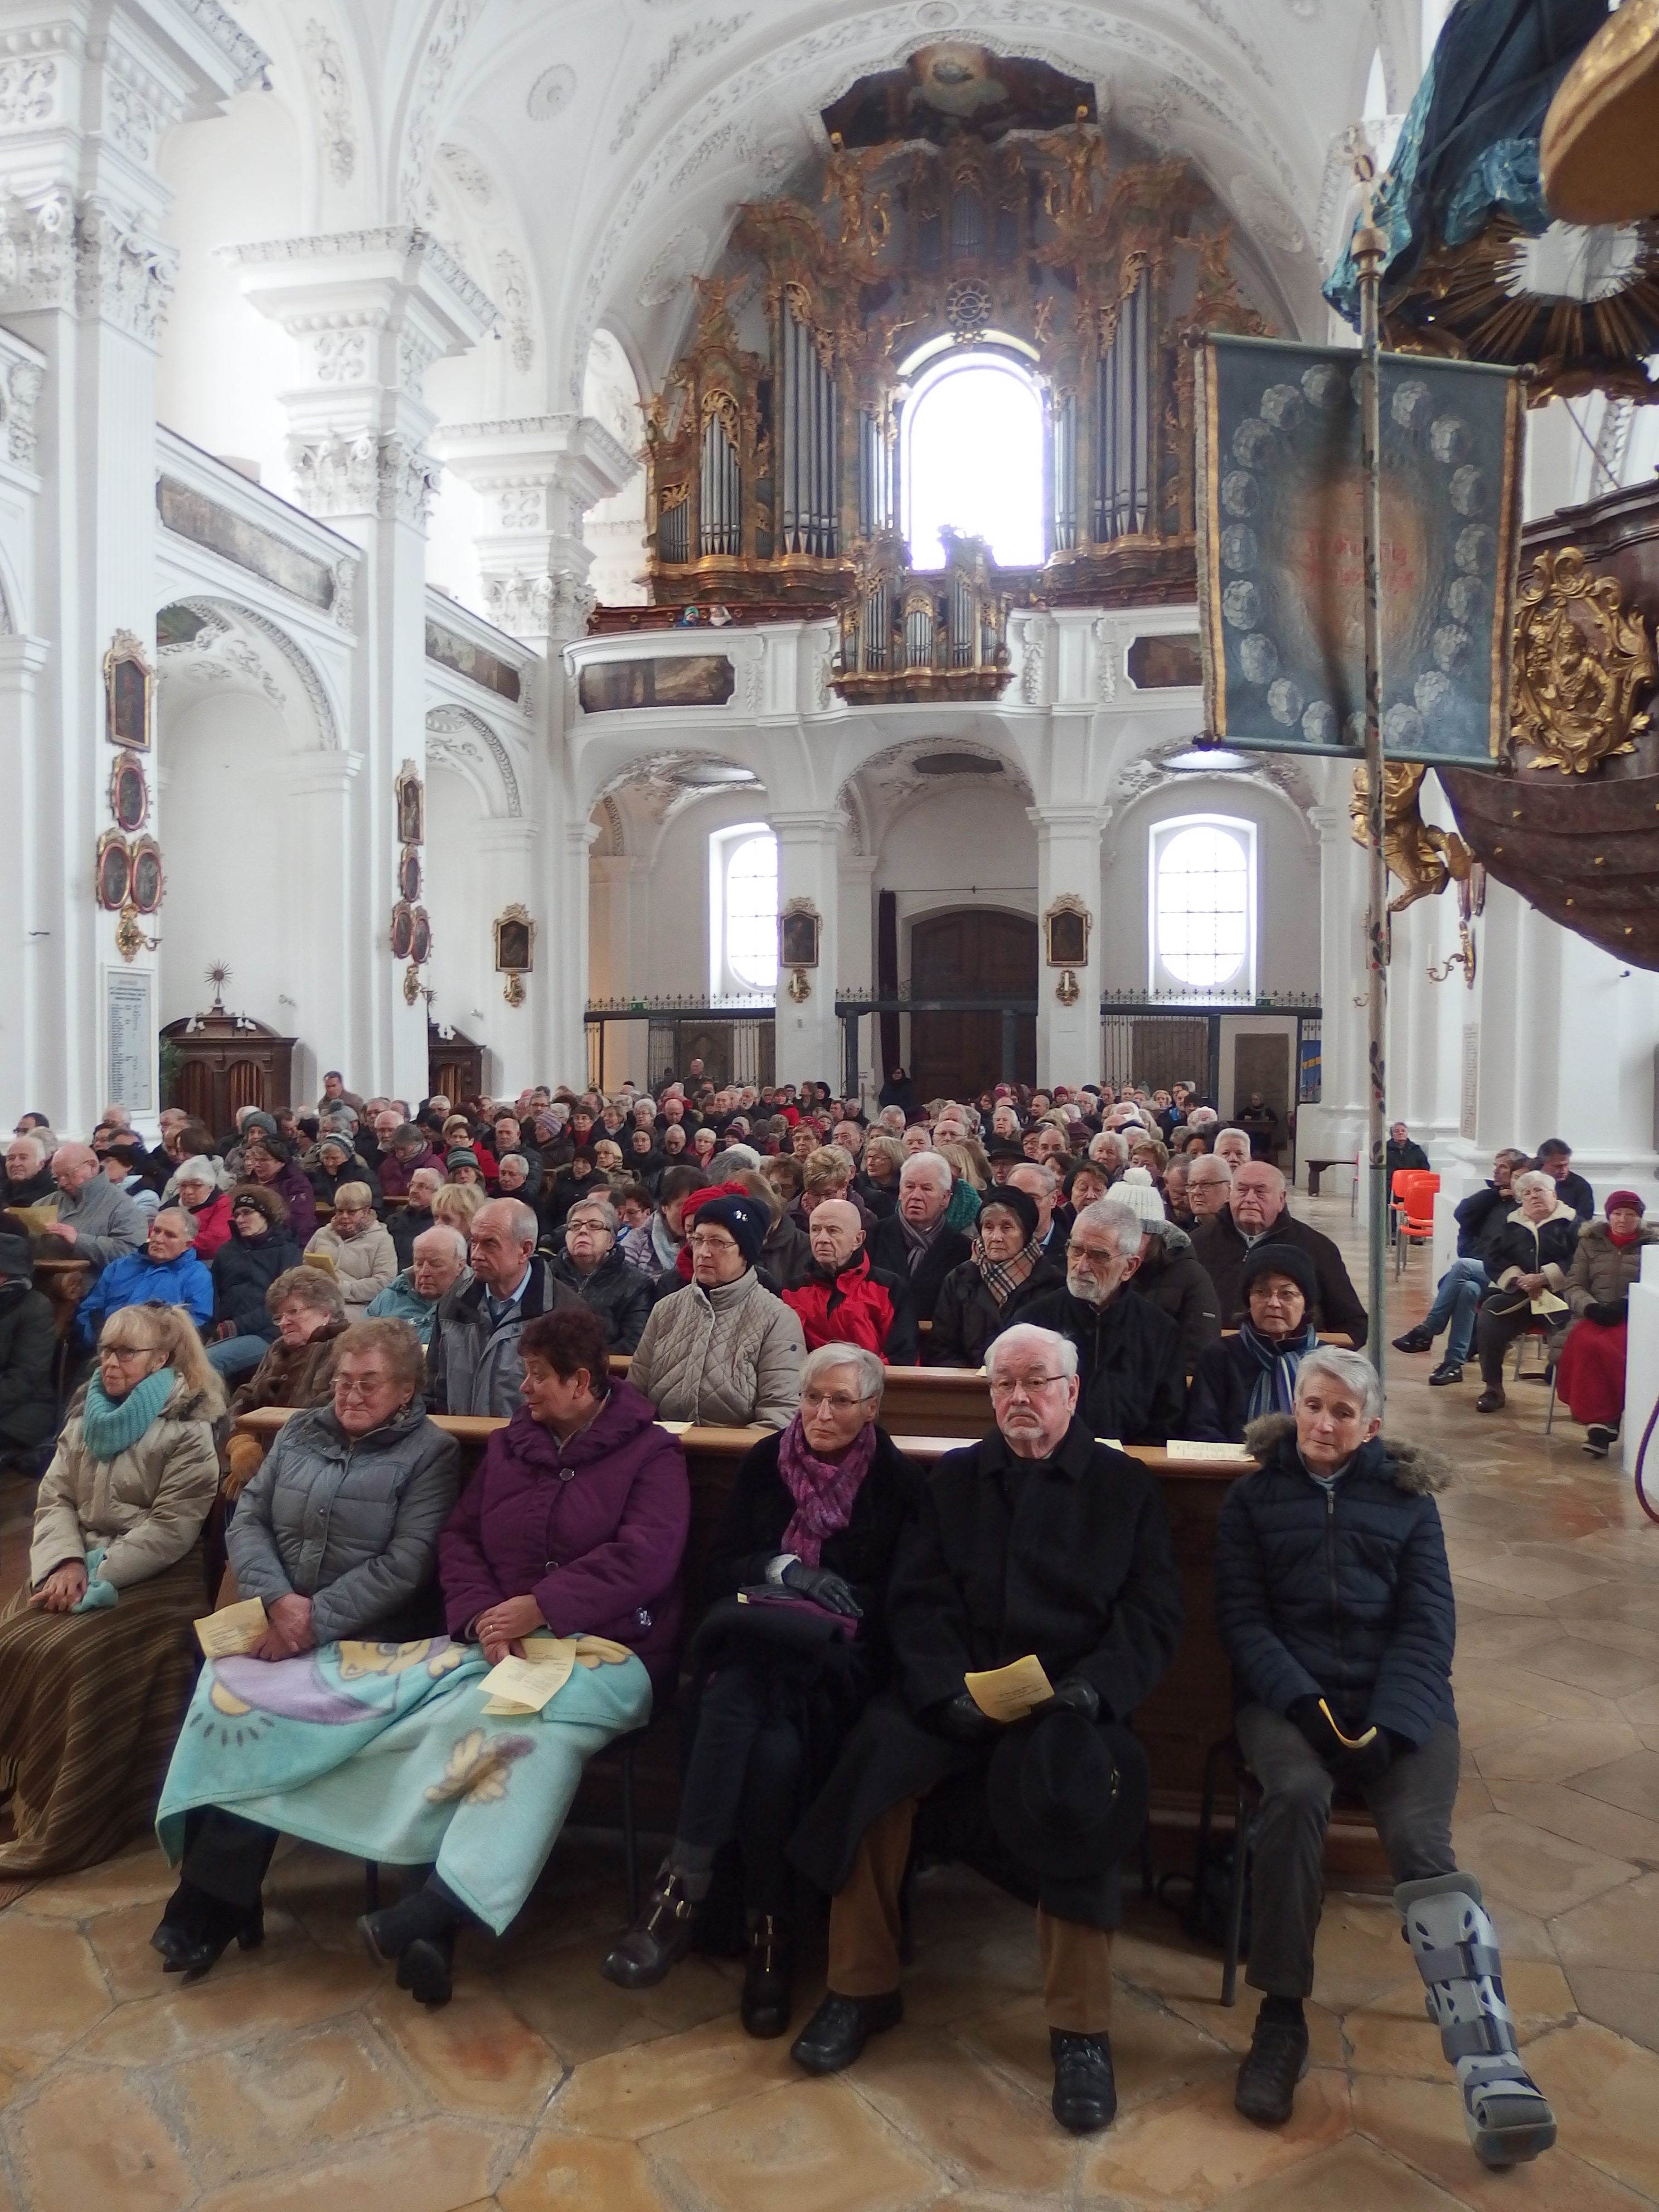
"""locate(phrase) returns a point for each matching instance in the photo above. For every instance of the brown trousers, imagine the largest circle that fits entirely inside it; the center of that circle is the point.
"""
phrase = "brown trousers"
(864, 1936)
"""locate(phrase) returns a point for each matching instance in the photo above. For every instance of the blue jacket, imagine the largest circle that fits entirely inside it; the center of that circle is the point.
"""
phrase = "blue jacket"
(1345, 1594)
(136, 1279)
(401, 1300)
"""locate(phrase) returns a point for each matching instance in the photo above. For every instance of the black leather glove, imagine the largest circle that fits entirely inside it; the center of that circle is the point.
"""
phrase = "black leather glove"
(1073, 1695)
(1611, 1313)
(830, 1591)
(961, 1720)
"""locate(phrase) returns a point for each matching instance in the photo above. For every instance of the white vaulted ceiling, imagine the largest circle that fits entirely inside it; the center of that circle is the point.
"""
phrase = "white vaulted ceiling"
(587, 160)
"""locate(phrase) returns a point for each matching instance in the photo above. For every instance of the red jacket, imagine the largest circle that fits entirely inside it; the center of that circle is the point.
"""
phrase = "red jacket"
(212, 1225)
(862, 1305)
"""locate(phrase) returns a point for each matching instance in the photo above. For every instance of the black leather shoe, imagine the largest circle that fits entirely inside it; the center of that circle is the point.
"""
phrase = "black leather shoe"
(658, 1939)
(224, 1926)
(1085, 2088)
(1599, 1440)
(1414, 1339)
(1492, 1399)
(426, 1968)
(766, 1978)
(1449, 1370)
(841, 2027)
(1275, 2062)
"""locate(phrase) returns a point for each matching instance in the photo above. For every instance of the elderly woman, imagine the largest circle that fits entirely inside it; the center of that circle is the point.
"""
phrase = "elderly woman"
(96, 1653)
(814, 1513)
(197, 1183)
(357, 1247)
(458, 1206)
(258, 1248)
(339, 1167)
(884, 1157)
(270, 1163)
(1528, 1257)
(1591, 1376)
(591, 1265)
(1240, 1378)
(338, 1535)
(310, 1317)
(981, 1297)
(462, 1165)
(723, 1350)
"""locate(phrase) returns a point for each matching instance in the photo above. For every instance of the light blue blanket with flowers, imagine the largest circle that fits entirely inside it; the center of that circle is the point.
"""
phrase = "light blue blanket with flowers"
(384, 1751)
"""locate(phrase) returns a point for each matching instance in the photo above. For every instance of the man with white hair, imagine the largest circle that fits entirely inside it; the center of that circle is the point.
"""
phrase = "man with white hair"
(1232, 1145)
(1134, 1369)
(1334, 1599)
(1037, 1541)
(29, 1177)
(1255, 1209)
(167, 1271)
(913, 1241)
(473, 1361)
(438, 1265)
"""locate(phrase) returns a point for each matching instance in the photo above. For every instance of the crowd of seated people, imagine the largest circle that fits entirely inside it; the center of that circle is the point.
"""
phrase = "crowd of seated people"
(1121, 1272)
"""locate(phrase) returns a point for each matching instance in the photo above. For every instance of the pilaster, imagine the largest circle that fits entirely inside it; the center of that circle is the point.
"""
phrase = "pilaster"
(808, 1035)
(1068, 999)
(1335, 1128)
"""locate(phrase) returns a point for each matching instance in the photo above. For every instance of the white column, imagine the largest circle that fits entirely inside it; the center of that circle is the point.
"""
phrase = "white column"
(808, 1034)
(510, 851)
(26, 906)
(1068, 862)
(856, 917)
(372, 310)
(85, 279)
(1335, 1129)
(323, 978)
(568, 1058)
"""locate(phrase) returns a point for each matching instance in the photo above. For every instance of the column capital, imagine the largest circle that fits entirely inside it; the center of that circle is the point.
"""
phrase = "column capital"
(325, 774)
(801, 824)
(1079, 821)
(580, 837)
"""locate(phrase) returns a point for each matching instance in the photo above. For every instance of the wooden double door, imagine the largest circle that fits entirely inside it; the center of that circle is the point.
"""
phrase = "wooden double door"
(980, 954)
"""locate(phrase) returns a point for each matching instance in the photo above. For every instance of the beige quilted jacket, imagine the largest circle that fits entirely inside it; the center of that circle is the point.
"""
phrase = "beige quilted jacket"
(726, 1358)
(146, 1505)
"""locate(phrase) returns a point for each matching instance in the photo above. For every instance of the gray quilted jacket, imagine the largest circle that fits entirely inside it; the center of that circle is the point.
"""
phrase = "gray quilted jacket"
(351, 1522)
(729, 1357)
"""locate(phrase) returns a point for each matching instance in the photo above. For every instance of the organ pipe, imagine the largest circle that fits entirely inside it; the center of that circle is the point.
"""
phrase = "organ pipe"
(1065, 466)
(1124, 440)
(810, 472)
(720, 495)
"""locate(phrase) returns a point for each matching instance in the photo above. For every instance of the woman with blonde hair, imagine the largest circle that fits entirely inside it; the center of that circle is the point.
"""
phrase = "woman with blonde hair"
(97, 1652)
(456, 1204)
(356, 1248)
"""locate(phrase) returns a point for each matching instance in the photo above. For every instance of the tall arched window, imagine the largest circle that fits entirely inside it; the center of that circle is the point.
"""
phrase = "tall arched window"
(743, 918)
(1202, 920)
(972, 460)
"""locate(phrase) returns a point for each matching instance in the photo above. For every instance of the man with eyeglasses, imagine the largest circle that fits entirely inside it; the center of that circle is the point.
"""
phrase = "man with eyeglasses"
(1255, 1208)
(473, 1357)
(1132, 1368)
(1039, 1541)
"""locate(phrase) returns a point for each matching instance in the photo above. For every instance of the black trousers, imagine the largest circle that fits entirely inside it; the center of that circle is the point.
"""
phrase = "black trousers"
(1494, 1333)
(226, 1855)
(743, 1780)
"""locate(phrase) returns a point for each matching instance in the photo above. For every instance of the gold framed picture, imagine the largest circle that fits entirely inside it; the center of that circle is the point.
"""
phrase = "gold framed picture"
(799, 927)
(515, 941)
(128, 693)
(1065, 927)
(411, 805)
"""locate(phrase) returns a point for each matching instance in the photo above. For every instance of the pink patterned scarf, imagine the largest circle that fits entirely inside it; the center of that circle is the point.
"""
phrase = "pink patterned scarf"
(824, 1493)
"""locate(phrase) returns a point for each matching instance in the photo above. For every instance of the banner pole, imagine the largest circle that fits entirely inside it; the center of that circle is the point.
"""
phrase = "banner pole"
(1369, 248)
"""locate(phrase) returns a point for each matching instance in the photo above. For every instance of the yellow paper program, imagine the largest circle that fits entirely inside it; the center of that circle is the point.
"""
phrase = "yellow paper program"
(234, 1630)
(1008, 1694)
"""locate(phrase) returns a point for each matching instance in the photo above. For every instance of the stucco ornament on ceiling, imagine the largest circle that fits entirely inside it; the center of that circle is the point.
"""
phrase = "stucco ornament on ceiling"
(678, 261)
(552, 94)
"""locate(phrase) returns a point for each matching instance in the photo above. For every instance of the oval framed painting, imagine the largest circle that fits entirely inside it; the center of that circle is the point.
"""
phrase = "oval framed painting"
(420, 950)
(402, 929)
(148, 883)
(409, 873)
(129, 793)
(114, 879)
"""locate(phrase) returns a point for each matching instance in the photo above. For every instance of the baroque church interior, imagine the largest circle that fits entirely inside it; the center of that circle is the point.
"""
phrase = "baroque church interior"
(580, 548)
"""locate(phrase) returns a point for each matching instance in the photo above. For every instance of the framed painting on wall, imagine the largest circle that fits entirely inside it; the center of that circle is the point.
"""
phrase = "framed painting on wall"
(128, 686)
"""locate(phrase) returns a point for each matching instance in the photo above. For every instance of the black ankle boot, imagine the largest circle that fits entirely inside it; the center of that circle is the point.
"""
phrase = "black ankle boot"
(428, 1914)
(181, 1927)
(766, 1978)
(1085, 2089)
(219, 1927)
(1275, 2062)
(426, 1968)
(658, 1939)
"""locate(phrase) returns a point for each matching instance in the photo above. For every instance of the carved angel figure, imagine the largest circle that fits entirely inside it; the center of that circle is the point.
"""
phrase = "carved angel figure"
(1421, 857)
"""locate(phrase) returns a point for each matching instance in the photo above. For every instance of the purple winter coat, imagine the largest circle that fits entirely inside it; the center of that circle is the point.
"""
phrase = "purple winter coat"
(292, 1187)
(594, 1530)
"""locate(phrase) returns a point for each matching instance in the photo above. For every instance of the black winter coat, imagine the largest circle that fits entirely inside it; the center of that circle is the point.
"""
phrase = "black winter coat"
(244, 1269)
(1343, 1594)
(1546, 1248)
(621, 1296)
(967, 1316)
(890, 1249)
(403, 1225)
(1129, 1358)
(1218, 1401)
(1479, 1217)
(28, 1404)
(1171, 1279)
(1068, 1558)
(34, 1190)
(356, 1169)
(1220, 1247)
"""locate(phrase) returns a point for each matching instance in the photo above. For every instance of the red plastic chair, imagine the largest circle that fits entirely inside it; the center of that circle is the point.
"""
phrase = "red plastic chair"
(1413, 1211)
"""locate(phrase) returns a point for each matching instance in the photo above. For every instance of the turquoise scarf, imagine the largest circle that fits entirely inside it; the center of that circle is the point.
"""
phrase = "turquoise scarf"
(114, 1424)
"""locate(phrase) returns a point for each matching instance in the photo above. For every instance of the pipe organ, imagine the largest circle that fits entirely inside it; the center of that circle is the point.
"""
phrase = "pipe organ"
(773, 448)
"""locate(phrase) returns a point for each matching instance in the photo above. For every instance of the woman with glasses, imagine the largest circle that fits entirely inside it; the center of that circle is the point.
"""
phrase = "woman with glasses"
(780, 1675)
(261, 1248)
(338, 1535)
(591, 1265)
(355, 1246)
(96, 1653)
(1241, 1378)
(723, 1350)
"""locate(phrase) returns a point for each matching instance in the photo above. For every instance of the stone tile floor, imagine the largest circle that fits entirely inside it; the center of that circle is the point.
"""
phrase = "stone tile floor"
(300, 2077)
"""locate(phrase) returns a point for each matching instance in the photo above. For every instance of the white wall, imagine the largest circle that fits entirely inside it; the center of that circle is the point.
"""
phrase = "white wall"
(462, 903)
(674, 929)
(237, 179)
(1287, 881)
(966, 845)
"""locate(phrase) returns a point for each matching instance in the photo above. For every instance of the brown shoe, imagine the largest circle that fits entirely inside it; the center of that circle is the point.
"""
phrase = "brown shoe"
(1492, 1399)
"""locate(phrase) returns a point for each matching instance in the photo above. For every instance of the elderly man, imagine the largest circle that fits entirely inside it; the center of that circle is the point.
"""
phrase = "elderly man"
(405, 1223)
(28, 1341)
(29, 1177)
(1256, 1209)
(407, 1151)
(845, 1298)
(438, 1265)
(167, 1272)
(913, 1241)
(1209, 1188)
(472, 1360)
(1334, 1603)
(1133, 1373)
(592, 1267)
(510, 1138)
(1038, 1542)
(1041, 1185)
(96, 1221)
(1234, 1146)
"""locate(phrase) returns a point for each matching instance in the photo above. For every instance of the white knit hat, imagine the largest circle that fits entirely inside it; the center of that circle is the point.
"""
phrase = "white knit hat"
(1134, 1190)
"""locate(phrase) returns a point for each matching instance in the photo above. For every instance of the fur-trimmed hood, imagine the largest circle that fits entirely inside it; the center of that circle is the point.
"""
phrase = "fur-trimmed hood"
(1414, 1467)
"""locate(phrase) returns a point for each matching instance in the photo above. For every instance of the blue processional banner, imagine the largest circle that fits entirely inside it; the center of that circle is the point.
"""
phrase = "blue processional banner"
(1281, 564)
